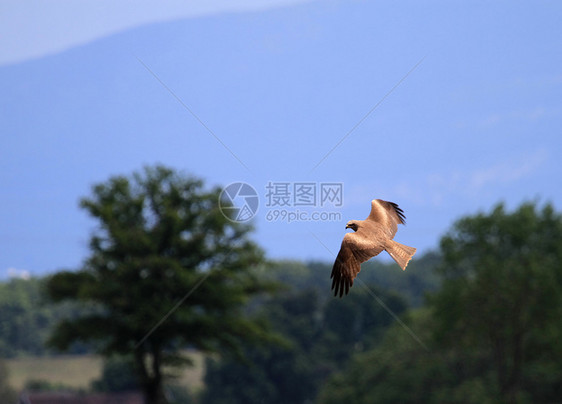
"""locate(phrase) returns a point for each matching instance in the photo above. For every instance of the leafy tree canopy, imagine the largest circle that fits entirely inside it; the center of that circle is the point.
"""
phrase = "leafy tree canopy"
(320, 334)
(161, 240)
(493, 329)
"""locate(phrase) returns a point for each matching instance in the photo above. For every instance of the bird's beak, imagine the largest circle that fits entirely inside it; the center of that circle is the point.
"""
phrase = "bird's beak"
(347, 226)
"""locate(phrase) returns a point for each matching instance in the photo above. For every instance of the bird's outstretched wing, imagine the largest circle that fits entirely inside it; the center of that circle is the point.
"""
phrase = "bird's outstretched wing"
(354, 250)
(388, 214)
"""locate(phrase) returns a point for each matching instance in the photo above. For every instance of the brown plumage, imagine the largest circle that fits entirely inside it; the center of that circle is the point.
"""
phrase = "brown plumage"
(370, 237)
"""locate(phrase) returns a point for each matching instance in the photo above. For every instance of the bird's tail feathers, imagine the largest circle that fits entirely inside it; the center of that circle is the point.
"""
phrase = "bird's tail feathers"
(401, 253)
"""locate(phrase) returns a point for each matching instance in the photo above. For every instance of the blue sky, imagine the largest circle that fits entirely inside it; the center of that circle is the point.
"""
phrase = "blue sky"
(446, 108)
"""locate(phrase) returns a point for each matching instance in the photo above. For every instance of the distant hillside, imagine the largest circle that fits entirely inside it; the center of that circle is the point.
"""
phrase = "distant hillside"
(26, 316)
(413, 283)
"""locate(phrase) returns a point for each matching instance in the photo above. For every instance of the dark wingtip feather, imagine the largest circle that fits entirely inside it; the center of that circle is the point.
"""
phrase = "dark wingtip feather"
(399, 212)
(340, 273)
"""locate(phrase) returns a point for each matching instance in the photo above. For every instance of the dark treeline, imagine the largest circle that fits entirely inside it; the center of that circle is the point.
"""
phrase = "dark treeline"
(477, 321)
(28, 316)
(491, 331)
(319, 333)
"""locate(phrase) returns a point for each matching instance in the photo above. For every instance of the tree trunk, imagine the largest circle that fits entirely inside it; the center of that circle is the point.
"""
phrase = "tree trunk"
(500, 362)
(151, 377)
(154, 392)
(511, 388)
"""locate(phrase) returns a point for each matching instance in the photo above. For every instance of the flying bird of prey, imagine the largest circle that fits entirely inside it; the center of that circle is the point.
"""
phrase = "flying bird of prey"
(370, 237)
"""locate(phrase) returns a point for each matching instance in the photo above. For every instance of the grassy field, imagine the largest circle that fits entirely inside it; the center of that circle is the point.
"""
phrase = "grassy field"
(79, 371)
(72, 371)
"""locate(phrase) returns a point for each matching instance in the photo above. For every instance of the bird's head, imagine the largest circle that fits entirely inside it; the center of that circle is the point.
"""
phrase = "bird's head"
(352, 224)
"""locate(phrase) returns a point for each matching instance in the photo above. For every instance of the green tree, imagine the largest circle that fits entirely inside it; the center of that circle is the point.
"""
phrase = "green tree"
(397, 370)
(492, 331)
(321, 336)
(27, 317)
(161, 241)
(275, 373)
(118, 374)
(502, 295)
(24, 320)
